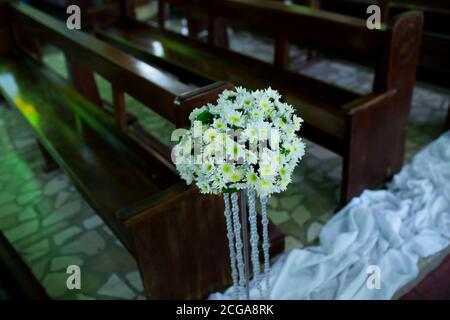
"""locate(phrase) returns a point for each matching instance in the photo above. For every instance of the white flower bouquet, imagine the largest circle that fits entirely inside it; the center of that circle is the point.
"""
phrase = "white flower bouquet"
(248, 140)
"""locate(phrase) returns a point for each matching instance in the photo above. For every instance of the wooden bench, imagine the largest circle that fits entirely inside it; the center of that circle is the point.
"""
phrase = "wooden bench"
(177, 236)
(368, 131)
(93, 13)
(434, 63)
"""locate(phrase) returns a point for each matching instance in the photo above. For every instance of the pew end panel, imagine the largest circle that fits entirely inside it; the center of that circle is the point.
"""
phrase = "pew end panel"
(370, 157)
(180, 244)
(187, 102)
(376, 124)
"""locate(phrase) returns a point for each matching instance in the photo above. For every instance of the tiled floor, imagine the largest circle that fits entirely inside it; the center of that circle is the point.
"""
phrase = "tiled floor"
(51, 226)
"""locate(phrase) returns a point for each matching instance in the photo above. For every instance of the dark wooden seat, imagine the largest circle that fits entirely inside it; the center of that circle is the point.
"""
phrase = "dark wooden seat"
(368, 131)
(177, 236)
(82, 145)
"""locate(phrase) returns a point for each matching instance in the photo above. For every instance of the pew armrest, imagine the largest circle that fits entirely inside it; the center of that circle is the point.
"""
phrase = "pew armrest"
(370, 100)
(187, 102)
(145, 208)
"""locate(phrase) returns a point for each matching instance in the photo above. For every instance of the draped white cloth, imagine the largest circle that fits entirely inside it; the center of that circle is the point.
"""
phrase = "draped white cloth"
(389, 228)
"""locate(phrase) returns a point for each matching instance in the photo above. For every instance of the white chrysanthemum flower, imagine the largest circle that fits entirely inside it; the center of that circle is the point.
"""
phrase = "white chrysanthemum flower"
(251, 157)
(264, 154)
(267, 171)
(226, 169)
(273, 94)
(265, 187)
(281, 123)
(236, 176)
(227, 96)
(219, 124)
(297, 121)
(235, 152)
(235, 118)
(195, 113)
(257, 114)
(250, 134)
(264, 130)
(210, 135)
(265, 105)
(208, 168)
(252, 178)
(244, 100)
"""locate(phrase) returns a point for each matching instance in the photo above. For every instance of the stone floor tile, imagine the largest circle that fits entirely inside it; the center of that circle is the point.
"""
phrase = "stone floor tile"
(22, 230)
(90, 243)
(116, 288)
(59, 263)
(62, 236)
(92, 222)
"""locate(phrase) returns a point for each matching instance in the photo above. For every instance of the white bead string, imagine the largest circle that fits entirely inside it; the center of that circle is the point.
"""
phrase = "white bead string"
(254, 239)
(265, 224)
(230, 236)
(237, 235)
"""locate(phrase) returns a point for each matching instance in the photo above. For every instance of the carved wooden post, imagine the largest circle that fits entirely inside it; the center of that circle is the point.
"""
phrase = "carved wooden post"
(194, 26)
(120, 110)
(26, 39)
(161, 13)
(281, 58)
(127, 9)
(217, 32)
(384, 6)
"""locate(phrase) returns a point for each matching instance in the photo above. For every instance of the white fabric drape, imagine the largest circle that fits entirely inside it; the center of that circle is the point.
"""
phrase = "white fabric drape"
(389, 228)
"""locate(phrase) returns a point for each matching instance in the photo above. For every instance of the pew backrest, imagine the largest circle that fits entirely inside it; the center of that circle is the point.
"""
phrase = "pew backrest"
(393, 49)
(148, 85)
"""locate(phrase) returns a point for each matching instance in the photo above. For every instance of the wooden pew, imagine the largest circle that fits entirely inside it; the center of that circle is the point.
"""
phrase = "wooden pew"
(368, 131)
(93, 13)
(177, 236)
(434, 63)
(433, 67)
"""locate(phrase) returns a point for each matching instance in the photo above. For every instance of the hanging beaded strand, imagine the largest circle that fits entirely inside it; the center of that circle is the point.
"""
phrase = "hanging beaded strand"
(254, 240)
(237, 235)
(230, 236)
(265, 224)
